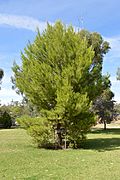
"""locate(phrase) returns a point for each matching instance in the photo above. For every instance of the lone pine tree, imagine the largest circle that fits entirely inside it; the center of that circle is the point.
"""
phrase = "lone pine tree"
(61, 74)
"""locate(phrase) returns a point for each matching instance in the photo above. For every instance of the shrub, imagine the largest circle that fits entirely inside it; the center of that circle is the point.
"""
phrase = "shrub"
(39, 129)
(6, 120)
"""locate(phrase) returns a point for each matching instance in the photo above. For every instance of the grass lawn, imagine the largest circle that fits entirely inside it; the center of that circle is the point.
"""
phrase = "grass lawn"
(20, 159)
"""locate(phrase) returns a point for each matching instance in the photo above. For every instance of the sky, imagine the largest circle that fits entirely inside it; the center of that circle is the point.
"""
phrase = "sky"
(19, 20)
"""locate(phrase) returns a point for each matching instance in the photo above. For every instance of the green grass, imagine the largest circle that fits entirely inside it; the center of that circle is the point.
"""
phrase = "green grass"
(20, 159)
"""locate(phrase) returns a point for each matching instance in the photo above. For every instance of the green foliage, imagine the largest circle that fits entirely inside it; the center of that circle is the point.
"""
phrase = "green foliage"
(16, 109)
(117, 108)
(5, 120)
(39, 128)
(104, 107)
(1, 74)
(61, 74)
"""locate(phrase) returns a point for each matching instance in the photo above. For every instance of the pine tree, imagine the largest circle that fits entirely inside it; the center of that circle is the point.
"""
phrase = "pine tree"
(61, 74)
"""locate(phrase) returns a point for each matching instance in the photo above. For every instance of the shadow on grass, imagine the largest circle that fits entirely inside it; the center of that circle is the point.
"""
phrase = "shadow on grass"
(99, 144)
(107, 131)
(104, 144)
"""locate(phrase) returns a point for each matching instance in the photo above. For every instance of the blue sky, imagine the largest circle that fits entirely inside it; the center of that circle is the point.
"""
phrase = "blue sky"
(19, 19)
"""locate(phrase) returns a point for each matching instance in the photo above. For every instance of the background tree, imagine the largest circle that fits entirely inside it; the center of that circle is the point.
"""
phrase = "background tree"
(17, 109)
(118, 74)
(1, 74)
(61, 74)
(117, 108)
(5, 119)
(104, 107)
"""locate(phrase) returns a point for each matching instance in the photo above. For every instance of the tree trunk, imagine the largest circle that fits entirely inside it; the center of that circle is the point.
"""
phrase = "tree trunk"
(59, 136)
(105, 125)
(65, 142)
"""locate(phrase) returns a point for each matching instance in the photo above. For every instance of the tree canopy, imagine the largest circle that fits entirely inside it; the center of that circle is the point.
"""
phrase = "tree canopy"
(104, 107)
(61, 74)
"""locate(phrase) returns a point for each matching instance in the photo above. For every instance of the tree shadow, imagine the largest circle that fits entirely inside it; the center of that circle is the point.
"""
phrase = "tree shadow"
(104, 144)
(107, 131)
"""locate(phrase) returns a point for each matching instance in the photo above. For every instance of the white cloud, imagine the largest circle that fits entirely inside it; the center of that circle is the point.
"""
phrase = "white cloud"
(25, 22)
(22, 22)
